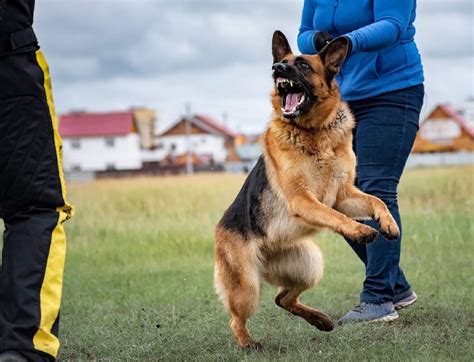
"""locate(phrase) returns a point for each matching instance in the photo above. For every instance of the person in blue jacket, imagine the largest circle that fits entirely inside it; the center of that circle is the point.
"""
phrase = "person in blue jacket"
(382, 80)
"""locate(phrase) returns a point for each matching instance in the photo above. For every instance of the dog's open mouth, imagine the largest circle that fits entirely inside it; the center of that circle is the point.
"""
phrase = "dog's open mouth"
(292, 96)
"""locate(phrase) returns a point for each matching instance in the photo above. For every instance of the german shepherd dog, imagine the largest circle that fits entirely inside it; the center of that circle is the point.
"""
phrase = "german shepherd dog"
(303, 182)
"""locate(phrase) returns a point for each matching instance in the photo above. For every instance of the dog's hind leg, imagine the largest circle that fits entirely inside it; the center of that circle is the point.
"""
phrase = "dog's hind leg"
(287, 298)
(295, 270)
(237, 282)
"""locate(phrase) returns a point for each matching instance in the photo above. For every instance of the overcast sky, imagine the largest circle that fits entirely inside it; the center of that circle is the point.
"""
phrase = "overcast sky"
(215, 54)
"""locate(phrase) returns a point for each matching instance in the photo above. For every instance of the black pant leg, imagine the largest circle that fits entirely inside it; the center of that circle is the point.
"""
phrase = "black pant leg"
(33, 206)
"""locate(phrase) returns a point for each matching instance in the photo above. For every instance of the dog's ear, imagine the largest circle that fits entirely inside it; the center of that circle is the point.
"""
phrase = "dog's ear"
(333, 55)
(280, 46)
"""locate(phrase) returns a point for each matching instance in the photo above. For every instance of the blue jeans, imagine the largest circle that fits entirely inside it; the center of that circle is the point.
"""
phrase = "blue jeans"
(383, 138)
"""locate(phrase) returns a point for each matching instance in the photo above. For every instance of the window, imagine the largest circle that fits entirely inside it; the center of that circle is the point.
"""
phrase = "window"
(76, 143)
(173, 146)
(76, 167)
(110, 166)
(109, 142)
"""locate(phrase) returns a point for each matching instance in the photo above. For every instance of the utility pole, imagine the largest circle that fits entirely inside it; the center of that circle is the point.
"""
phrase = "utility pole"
(225, 119)
(189, 156)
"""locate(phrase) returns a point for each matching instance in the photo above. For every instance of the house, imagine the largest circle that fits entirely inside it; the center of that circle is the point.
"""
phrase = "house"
(244, 139)
(248, 149)
(100, 141)
(209, 142)
(445, 130)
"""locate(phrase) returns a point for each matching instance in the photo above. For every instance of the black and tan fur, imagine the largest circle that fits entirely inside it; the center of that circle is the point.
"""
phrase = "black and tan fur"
(303, 182)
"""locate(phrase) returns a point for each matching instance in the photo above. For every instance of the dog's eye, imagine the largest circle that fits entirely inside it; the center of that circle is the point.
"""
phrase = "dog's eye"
(303, 65)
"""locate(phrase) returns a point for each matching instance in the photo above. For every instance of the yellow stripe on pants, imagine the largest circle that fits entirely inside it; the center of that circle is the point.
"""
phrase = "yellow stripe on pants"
(51, 290)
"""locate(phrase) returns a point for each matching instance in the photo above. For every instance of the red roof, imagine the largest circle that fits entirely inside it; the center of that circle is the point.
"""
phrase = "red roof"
(457, 118)
(82, 124)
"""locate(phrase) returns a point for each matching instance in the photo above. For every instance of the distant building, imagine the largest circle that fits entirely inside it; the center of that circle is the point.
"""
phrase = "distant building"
(445, 130)
(94, 142)
(209, 142)
(244, 139)
(248, 149)
(145, 121)
(466, 111)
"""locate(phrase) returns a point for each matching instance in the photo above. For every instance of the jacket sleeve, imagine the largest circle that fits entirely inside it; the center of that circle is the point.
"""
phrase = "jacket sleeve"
(306, 31)
(391, 21)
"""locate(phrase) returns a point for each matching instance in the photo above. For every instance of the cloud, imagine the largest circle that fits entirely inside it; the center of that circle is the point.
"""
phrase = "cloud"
(448, 83)
(109, 54)
(445, 34)
(157, 37)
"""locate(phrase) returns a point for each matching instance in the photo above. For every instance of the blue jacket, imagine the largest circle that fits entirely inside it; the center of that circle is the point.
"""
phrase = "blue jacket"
(384, 55)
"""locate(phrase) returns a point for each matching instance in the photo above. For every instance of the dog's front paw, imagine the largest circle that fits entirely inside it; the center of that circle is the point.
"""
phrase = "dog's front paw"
(252, 345)
(389, 228)
(362, 234)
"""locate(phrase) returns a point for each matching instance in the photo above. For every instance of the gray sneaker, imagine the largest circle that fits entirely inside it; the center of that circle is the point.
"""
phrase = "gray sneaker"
(404, 300)
(12, 356)
(369, 312)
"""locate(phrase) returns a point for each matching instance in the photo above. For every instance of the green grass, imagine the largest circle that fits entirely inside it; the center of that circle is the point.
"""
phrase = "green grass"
(138, 281)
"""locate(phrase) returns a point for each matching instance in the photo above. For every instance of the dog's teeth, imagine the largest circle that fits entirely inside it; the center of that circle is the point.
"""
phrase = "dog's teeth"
(302, 99)
(291, 83)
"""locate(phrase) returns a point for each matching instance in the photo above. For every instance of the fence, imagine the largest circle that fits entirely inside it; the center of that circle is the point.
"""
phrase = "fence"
(440, 159)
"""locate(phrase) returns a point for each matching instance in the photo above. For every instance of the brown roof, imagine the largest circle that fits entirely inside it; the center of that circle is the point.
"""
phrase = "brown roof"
(216, 125)
(206, 123)
(457, 118)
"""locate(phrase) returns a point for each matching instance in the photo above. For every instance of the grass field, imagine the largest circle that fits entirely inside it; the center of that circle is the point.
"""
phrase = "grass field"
(138, 281)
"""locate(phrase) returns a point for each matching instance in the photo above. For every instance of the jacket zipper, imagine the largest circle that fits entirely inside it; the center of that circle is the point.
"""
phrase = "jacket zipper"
(336, 3)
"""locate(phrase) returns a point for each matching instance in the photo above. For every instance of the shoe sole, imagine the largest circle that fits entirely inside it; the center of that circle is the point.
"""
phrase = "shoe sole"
(386, 318)
(401, 305)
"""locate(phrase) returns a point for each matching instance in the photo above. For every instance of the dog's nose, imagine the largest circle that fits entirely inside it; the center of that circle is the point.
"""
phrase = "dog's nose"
(280, 67)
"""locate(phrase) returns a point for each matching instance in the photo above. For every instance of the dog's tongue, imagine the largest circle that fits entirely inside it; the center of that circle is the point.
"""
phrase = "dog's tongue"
(292, 100)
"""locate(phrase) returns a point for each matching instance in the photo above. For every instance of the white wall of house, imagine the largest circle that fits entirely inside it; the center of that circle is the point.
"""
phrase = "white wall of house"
(155, 155)
(102, 153)
(200, 144)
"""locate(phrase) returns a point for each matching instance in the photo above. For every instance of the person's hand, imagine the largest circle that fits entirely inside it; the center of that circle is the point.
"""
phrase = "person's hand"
(321, 39)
